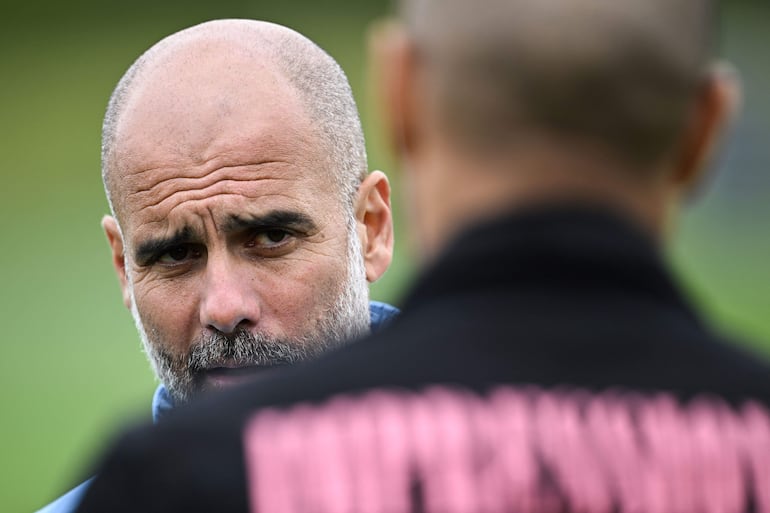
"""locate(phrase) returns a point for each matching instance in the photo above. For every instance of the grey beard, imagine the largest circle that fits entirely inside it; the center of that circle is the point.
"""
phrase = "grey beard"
(183, 374)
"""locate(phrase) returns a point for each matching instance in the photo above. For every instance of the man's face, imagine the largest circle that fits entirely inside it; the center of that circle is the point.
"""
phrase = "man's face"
(239, 249)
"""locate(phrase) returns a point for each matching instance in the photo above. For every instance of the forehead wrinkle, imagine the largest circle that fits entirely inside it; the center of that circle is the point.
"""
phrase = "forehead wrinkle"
(205, 193)
(206, 180)
(220, 157)
(167, 187)
(206, 165)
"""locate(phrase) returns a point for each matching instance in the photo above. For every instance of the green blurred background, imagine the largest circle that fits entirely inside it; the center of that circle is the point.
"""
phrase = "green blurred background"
(72, 370)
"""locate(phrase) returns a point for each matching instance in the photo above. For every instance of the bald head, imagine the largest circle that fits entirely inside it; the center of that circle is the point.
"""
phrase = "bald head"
(619, 72)
(226, 71)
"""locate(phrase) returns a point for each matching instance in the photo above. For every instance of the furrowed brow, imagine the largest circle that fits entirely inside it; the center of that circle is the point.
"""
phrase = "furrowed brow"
(146, 250)
(274, 219)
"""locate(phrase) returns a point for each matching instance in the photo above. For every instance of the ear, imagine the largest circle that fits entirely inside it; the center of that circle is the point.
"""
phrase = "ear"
(716, 106)
(115, 239)
(375, 224)
(392, 74)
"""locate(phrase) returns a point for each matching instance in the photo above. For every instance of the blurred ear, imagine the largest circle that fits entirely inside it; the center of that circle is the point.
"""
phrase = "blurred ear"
(717, 105)
(375, 224)
(393, 63)
(115, 239)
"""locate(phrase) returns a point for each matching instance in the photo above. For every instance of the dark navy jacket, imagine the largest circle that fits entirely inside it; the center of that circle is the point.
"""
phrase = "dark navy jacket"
(546, 361)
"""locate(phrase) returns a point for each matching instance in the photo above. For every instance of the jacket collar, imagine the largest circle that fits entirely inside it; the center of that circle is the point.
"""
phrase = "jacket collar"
(548, 250)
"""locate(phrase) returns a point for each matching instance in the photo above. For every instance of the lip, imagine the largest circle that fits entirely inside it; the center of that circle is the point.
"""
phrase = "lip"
(227, 375)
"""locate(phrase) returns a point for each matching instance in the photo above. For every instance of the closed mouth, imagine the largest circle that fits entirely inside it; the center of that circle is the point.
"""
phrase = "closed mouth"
(226, 375)
(235, 371)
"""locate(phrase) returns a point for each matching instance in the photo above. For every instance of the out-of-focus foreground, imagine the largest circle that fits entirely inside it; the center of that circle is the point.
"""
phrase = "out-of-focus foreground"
(72, 370)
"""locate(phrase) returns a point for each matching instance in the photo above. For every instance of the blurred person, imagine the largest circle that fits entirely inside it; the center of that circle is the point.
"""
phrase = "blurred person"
(545, 360)
(244, 225)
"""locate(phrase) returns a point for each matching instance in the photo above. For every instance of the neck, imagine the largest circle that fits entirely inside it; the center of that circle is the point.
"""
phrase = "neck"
(456, 192)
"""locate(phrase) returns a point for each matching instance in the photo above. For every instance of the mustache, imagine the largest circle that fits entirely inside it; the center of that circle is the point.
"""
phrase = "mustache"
(243, 348)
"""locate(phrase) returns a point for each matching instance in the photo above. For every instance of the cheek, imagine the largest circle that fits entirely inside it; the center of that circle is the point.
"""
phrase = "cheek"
(297, 302)
(168, 315)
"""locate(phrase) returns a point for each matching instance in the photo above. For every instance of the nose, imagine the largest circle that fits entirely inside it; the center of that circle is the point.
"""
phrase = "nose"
(229, 300)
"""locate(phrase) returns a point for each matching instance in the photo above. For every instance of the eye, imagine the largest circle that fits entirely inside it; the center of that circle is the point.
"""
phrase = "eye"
(179, 254)
(271, 240)
(276, 236)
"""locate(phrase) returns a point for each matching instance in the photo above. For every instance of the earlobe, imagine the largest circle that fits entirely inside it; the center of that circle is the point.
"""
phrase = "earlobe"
(115, 240)
(375, 224)
(716, 107)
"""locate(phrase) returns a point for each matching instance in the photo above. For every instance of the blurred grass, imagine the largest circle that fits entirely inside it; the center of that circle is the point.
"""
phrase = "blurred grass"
(72, 369)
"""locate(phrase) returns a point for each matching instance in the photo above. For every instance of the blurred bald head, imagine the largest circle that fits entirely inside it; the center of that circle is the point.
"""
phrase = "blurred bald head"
(499, 104)
(216, 71)
(622, 72)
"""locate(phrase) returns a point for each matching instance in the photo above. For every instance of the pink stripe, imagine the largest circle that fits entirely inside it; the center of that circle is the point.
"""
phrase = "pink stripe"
(516, 448)
(487, 458)
(473, 454)
(757, 450)
(358, 435)
(260, 475)
(273, 442)
(424, 449)
(454, 442)
(292, 454)
(717, 463)
(669, 485)
(568, 451)
(614, 436)
(394, 444)
(325, 463)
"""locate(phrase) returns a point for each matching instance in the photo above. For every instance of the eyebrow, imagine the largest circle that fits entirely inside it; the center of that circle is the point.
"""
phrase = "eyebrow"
(273, 219)
(149, 249)
(145, 251)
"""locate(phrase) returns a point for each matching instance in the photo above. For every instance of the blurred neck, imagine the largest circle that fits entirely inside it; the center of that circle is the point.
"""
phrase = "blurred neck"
(452, 190)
